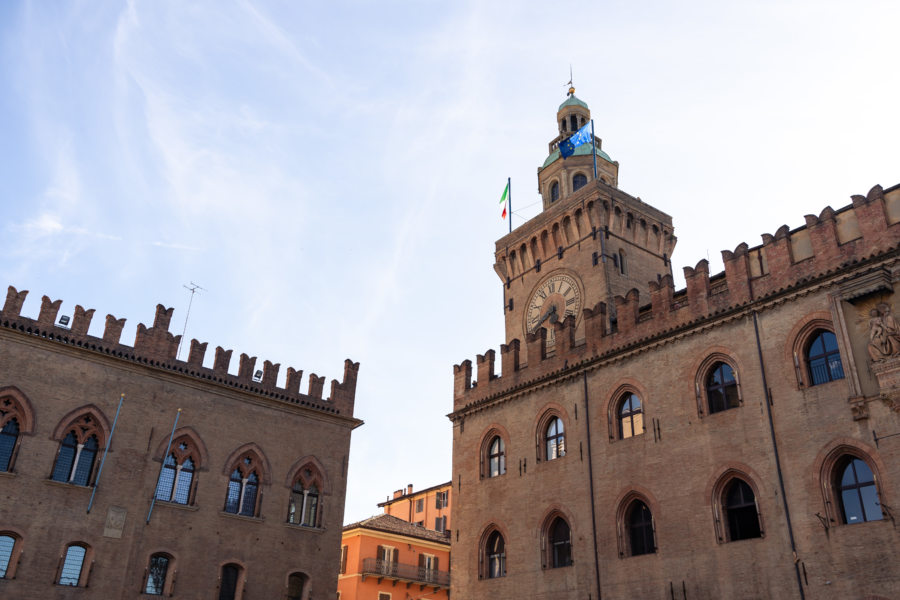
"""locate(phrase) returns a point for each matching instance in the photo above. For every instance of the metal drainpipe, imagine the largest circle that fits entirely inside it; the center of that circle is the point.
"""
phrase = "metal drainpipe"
(787, 512)
(587, 419)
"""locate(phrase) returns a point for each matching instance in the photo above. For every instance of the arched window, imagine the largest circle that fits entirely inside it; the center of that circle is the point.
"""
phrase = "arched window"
(554, 191)
(630, 416)
(495, 552)
(562, 125)
(9, 554)
(72, 571)
(573, 123)
(622, 268)
(75, 460)
(243, 487)
(304, 504)
(15, 418)
(554, 439)
(9, 435)
(721, 388)
(176, 478)
(157, 575)
(858, 493)
(578, 182)
(496, 457)
(639, 525)
(560, 543)
(823, 359)
(229, 582)
(296, 584)
(741, 513)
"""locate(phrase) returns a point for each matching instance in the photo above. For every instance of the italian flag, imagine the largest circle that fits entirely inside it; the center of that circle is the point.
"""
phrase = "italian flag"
(503, 200)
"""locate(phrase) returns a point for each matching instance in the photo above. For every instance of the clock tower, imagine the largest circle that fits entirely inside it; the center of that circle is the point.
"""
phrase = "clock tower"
(590, 243)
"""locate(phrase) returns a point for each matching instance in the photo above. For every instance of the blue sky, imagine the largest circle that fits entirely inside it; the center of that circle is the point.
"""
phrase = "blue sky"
(330, 172)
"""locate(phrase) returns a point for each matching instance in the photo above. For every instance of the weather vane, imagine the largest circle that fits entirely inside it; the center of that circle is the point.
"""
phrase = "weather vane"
(570, 84)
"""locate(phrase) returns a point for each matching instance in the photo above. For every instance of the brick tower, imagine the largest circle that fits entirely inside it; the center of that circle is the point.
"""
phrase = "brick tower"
(591, 242)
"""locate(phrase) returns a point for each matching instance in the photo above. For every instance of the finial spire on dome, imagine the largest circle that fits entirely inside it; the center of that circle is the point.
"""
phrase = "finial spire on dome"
(570, 84)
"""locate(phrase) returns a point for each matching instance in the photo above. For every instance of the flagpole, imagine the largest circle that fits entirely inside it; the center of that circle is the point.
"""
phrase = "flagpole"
(165, 456)
(594, 149)
(509, 200)
(105, 452)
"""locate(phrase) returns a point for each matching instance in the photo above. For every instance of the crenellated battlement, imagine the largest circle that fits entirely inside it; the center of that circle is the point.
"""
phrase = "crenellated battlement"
(156, 347)
(869, 228)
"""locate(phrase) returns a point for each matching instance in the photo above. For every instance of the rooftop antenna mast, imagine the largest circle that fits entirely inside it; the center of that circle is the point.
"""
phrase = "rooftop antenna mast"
(193, 289)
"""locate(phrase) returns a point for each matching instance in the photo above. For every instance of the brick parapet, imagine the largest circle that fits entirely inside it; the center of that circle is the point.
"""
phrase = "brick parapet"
(786, 261)
(156, 347)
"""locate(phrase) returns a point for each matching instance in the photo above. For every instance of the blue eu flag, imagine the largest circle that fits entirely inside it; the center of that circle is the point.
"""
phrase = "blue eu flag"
(582, 136)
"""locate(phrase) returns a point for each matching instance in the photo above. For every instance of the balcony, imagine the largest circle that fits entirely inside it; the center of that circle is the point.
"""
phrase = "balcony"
(410, 574)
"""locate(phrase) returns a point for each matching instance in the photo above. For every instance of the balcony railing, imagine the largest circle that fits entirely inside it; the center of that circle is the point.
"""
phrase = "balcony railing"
(402, 572)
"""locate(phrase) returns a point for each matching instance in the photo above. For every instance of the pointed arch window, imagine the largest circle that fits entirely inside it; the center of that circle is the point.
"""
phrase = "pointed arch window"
(77, 452)
(741, 511)
(176, 478)
(496, 457)
(559, 537)
(630, 416)
(242, 497)
(858, 493)
(639, 523)
(495, 551)
(554, 439)
(304, 506)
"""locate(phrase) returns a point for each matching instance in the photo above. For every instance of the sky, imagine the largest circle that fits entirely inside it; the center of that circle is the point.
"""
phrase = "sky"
(329, 172)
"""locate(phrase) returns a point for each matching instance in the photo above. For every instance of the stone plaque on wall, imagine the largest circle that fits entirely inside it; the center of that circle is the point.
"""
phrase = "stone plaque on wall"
(115, 522)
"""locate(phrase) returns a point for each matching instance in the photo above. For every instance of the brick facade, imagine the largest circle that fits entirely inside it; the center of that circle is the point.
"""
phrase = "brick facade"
(770, 457)
(59, 382)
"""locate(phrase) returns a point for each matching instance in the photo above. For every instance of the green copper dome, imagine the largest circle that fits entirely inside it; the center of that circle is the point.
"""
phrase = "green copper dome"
(573, 101)
(582, 150)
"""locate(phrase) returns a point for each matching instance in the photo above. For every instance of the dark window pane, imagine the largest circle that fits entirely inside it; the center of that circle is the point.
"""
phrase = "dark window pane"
(312, 508)
(721, 388)
(6, 548)
(156, 575)
(640, 530)
(228, 586)
(578, 182)
(560, 544)
(71, 570)
(740, 508)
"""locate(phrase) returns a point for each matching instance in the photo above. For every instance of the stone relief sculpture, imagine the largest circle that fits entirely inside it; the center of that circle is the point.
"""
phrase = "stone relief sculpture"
(884, 333)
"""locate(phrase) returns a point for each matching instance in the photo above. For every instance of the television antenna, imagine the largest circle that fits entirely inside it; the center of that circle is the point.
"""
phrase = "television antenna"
(194, 289)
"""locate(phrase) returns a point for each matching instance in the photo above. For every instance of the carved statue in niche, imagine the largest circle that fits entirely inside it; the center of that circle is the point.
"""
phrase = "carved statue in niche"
(884, 333)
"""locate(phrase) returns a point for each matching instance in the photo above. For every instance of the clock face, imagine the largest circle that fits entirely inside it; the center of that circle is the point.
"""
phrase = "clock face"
(555, 298)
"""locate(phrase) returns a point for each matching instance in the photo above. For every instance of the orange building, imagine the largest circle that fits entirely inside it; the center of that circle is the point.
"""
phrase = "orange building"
(428, 508)
(388, 558)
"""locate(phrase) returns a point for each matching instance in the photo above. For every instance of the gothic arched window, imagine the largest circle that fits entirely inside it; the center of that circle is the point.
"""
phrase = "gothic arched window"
(242, 497)
(77, 452)
(303, 508)
(554, 439)
(823, 359)
(176, 478)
